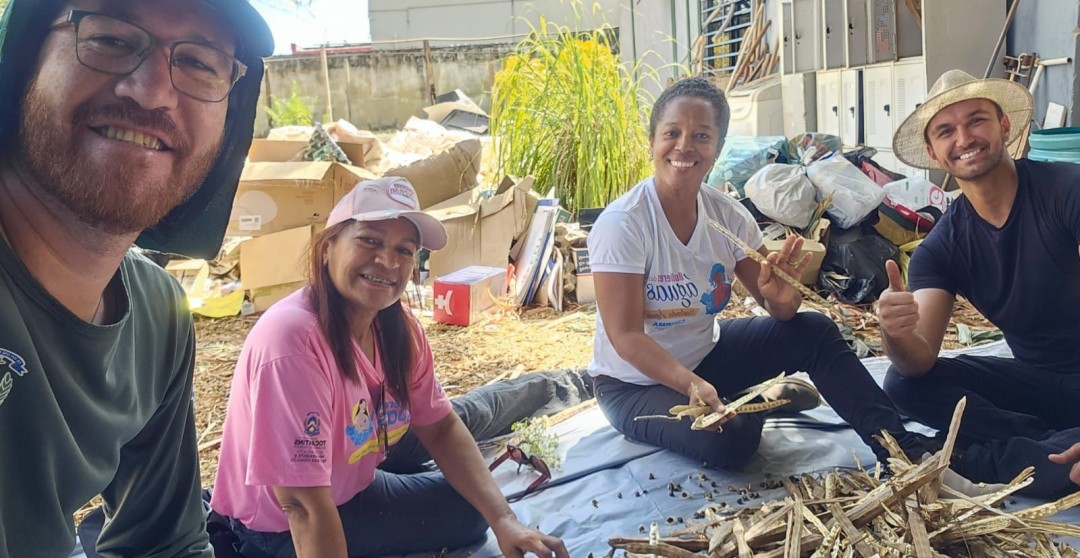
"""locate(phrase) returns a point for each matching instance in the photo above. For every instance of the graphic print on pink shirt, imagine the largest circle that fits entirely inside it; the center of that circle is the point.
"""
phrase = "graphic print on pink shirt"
(361, 432)
(364, 433)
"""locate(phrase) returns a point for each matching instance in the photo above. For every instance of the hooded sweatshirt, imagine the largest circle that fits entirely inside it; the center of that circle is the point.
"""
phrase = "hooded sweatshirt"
(196, 227)
(88, 409)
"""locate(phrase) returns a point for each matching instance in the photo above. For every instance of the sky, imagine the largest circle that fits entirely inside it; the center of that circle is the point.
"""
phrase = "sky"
(332, 21)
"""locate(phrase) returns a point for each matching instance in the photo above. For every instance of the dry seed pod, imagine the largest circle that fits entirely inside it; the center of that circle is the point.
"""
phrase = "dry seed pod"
(703, 422)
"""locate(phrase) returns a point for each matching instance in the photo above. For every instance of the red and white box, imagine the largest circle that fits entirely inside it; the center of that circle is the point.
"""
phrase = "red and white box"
(461, 296)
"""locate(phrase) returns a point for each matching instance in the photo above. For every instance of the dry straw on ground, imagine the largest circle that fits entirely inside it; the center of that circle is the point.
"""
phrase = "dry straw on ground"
(855, 513)
(502, 345)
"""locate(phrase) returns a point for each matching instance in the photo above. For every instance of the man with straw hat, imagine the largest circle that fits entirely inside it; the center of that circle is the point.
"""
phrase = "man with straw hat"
(1009, 245)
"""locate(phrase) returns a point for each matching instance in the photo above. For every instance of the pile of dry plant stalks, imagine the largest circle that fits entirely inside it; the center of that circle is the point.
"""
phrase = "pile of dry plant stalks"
(856, 513)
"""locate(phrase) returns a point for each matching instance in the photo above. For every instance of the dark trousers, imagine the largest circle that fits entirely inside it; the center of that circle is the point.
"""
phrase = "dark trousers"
(1016, 415)
(396, 514)
(750, 351)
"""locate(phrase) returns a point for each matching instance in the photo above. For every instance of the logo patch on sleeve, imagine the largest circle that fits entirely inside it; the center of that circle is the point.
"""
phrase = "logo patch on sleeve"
(10, 362)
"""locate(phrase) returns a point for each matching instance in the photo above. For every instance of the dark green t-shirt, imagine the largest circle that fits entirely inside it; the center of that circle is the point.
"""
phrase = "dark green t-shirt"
(87, 410)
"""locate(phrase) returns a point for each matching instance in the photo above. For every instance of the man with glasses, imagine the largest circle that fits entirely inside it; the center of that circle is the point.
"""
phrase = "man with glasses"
(121, 122)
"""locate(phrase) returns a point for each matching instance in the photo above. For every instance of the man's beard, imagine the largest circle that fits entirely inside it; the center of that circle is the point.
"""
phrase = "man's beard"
(112, 198)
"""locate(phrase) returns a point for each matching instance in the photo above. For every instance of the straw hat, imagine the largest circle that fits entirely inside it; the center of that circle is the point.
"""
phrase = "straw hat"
(909, 143)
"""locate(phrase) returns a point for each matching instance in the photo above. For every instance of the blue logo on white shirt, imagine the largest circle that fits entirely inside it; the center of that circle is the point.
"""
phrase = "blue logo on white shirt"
(719, 290)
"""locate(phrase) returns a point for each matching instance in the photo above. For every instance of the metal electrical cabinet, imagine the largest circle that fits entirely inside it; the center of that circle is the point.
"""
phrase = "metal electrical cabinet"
(834, 29)
(882, 21)
(872, 62)
(891, 92)
(877, 105)
(801, 35)
(828, 102)
(909, 91)
(857, 35)
(827, 34)
(846, 34)
(850, 108)
(799, 93)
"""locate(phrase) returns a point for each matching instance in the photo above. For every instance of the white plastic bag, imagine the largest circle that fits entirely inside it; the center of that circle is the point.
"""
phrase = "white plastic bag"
(783, 193)
(854, 194)
(917, 193)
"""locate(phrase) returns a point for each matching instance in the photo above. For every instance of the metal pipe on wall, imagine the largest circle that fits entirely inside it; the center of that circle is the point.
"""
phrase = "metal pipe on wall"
(689, 43)
(326, 79)
(1001, 38)
(674, 42)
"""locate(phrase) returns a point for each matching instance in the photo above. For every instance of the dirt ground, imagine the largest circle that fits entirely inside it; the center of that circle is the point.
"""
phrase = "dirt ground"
(503, 344)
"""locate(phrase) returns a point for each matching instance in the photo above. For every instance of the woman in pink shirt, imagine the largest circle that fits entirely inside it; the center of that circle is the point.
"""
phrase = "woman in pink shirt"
(328, 381)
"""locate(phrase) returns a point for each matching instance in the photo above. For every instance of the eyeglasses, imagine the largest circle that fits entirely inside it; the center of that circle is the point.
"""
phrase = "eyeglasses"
(114, 46)
(518, 456)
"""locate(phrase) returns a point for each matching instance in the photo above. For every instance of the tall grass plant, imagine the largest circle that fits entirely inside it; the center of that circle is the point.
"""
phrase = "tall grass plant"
(567, 111)
(294, 110)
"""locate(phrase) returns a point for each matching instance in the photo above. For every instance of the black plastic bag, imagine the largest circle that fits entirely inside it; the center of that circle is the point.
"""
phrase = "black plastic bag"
(854, 264)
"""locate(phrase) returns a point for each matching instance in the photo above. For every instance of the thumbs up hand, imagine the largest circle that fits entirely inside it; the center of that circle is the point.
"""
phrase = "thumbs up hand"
(897, 310)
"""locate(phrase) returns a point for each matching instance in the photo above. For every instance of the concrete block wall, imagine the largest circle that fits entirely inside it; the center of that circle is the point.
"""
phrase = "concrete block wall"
(381, 89)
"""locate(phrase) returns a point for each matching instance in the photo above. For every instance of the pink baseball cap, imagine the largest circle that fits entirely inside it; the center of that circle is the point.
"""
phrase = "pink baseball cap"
(385, 198)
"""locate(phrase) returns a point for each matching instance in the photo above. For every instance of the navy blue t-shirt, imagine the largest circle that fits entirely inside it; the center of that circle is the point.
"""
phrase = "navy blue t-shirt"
(1025, 276)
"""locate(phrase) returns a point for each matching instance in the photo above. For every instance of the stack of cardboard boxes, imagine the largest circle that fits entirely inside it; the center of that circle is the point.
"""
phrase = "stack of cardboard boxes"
(282, 204)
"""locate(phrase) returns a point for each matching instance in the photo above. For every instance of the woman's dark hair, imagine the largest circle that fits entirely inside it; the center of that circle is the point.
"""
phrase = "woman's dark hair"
(394, 333)
(693, 87)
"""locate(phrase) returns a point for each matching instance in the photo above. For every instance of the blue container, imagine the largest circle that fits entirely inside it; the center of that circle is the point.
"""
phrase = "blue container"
(1057, 144)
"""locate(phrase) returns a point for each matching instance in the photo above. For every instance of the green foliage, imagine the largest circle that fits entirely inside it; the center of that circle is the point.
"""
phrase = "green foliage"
(3, 4)
(537, 440)
(567, 111)
(293, 111)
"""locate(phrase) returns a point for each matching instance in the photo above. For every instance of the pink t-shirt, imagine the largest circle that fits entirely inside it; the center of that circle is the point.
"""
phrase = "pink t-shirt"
(293, 420)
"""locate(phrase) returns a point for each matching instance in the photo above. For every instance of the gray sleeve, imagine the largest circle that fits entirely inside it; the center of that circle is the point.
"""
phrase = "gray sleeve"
(153, 506)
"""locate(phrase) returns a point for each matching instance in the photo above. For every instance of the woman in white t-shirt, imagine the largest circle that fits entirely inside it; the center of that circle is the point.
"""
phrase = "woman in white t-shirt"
(662, 277)
(329, 380)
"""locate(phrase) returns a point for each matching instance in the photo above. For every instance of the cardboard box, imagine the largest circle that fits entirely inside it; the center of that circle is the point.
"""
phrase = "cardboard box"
(274, 265)
(481, 228)
(274, 197)
(815, 247)
(280, 151)
(461, 296)
(193, 275)
(444, 175)
(585, 290)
